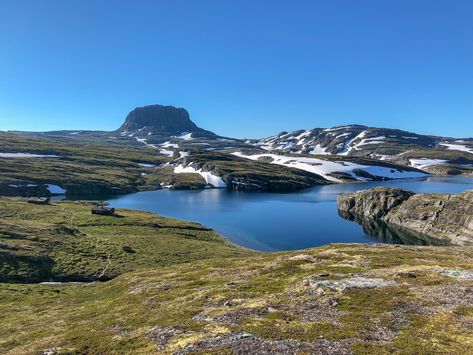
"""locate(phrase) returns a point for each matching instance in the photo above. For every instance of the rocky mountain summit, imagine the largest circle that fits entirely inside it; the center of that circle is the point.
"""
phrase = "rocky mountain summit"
(161, 120)
(445, 217)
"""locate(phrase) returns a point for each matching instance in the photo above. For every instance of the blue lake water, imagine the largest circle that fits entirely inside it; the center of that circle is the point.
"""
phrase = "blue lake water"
(271, 222)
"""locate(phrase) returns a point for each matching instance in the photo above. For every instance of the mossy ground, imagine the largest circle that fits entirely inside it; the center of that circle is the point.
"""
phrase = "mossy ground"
(64, 241)
(82, 167)
(250, 303)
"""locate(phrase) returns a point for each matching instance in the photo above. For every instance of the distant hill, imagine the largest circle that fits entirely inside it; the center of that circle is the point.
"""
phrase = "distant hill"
(160, 146)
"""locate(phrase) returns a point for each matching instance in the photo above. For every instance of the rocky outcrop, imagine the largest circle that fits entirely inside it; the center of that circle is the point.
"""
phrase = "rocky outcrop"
(446, 218)
(159, 119)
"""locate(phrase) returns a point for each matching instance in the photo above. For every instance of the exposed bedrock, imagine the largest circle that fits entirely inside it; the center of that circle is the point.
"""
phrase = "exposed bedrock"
(447, 218)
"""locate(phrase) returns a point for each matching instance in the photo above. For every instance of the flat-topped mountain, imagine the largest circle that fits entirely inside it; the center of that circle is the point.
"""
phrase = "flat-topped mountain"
(161, 120)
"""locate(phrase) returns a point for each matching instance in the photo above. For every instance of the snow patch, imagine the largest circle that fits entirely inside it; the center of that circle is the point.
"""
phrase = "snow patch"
(423, 163)
(325, 168)
(146, 165)
(185, 136)
(27, 155)
(318, 150)
(169, 145)
(210, 178)
(348, 145)
(169, 153)
(459, 147)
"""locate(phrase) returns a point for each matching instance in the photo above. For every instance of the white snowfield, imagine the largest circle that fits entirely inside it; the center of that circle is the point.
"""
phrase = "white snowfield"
(143, 140)
(209, 178)
(147, 165)
(423, 162)
(169, 145)
(27, 155)
(459, 147)
(349, 146)
(324, 167)
(167, 152)
(318, 150)
(185, 136)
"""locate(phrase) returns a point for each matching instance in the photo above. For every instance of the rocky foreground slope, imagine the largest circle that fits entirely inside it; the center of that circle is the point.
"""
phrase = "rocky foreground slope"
(181, 289)
(444, 217)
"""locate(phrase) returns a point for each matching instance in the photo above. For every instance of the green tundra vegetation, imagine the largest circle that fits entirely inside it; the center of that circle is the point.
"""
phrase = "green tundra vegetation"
(177, 287)
(63, 241)
(81, 167)
(112, 166)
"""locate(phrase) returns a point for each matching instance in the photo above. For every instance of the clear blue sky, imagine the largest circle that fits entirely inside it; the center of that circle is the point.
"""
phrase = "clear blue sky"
(242, 68)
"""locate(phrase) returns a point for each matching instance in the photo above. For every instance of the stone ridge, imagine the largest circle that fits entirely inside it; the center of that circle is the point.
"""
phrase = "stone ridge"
(448, 217)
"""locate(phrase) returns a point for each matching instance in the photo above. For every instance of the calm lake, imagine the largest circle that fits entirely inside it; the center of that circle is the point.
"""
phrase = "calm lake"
(271, 222)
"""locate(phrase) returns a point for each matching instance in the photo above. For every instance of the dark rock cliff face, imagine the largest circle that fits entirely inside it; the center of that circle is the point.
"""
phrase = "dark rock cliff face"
(448, 218)
(158, 119)
(374, 203)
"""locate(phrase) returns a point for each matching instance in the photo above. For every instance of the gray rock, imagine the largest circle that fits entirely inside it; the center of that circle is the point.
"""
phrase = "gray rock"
(446, 219)
(456, 273)
(352, 282)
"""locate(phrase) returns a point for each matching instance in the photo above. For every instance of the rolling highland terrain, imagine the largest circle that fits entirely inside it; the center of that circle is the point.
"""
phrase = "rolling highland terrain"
(134, 282)
(160, 147)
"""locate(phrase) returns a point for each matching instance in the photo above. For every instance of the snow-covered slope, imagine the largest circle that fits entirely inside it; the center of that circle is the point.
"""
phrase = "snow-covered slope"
(208, 176)
(344, 140)
(384, 144)
(327, 168)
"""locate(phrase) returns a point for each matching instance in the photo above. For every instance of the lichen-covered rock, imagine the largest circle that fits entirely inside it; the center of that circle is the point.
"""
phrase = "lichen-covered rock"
(446, 217)
(352, 282)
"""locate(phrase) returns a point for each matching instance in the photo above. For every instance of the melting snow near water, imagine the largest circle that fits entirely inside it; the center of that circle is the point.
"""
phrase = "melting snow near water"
(210, 178)
(325, 167)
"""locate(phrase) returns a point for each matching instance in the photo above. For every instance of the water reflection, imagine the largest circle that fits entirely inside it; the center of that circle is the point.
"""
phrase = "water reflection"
(390, 233)
(271, 222)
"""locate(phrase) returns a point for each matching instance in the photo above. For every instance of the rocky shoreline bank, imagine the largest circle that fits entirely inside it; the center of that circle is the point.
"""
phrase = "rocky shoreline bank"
(447, 218)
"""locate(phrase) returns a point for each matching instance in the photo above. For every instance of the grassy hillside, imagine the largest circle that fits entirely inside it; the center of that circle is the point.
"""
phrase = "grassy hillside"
(409, 300)
(65, 242)
(246, 174)
(81, 166)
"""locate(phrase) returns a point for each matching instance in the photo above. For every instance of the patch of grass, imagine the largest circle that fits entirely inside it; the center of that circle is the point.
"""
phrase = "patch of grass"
(82, 167)
(64, 241)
